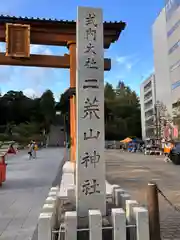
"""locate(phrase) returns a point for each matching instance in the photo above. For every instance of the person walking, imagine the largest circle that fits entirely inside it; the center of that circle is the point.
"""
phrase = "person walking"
(30, 152)
(35, 148)
(167, 149)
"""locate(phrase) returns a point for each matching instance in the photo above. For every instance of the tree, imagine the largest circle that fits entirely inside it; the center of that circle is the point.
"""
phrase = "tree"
(163, 121)
(47, 108)
(16, 107)
(122, 112)
(109, 93)
(21, 114)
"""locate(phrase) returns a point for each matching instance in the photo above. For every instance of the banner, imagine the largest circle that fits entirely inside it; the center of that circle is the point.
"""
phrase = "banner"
(175, 132)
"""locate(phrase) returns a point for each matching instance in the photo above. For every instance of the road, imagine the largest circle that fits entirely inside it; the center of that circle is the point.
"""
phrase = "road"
(133, 171)
(24, 192)
(28, 182)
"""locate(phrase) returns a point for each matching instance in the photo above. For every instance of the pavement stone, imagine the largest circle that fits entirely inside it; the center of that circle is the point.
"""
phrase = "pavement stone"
(23, 194)
(133, 171)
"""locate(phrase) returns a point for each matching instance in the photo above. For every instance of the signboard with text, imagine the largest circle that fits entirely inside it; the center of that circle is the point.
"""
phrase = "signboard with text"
(18, 40)
(90, 164)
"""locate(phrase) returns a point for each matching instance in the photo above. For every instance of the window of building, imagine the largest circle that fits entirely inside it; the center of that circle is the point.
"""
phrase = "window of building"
(149, 113)
(175, 85)
(147, 86)
(148, 105)
(148, 95)
(176, 25)
(174, 66)
(176, 45)
(170, 7)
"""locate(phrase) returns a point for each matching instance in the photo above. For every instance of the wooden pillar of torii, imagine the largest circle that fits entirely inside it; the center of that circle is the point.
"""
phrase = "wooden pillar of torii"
(72, 50)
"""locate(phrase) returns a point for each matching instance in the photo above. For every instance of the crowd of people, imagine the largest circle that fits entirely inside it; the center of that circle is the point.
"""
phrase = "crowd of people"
(151, 147)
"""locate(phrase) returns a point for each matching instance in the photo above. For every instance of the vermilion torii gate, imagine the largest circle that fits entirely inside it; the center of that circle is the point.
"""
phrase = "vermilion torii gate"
(20, 32)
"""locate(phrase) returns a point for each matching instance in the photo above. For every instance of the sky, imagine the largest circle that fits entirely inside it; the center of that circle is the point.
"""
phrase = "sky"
(131, 55)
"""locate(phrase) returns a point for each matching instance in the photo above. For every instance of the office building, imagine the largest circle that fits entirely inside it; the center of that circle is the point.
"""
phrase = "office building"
(166, 44)
(148, 101)
(164, 86)
(161, 61)
(173, 39)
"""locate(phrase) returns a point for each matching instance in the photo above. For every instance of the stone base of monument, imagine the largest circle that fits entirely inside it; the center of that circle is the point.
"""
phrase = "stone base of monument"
(125, 218)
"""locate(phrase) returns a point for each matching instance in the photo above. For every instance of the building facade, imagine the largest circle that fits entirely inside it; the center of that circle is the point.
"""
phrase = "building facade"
(166, 46)
(161, 61)
(148, 101)
(173, 39)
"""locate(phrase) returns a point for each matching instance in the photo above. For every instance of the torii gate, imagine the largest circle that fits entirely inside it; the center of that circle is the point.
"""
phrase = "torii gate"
(20, 32)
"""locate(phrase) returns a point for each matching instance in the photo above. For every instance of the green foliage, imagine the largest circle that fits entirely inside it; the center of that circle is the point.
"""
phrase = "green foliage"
(26, 129)
(4, 137)
(23, 118)
(109, 92)
(47, 107)
(122, 111)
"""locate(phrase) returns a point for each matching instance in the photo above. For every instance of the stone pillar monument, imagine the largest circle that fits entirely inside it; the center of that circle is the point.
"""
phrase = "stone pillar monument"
(90, 164)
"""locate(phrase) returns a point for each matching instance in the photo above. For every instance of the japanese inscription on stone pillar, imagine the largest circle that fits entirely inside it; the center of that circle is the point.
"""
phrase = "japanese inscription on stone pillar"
(90, 165)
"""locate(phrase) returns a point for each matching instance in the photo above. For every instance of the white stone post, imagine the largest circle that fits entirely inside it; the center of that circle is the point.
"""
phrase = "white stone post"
(56, 189)
(130, 204)
(48, 208)
(142, 223)
(90, 164)
(113, 191)
(51, 200)
(70, 221)
(45, 226)
(117, 196)
(124, 198)
(119, 224)
(95, 225)
(71, 194)
(51, 208)
(52, 194)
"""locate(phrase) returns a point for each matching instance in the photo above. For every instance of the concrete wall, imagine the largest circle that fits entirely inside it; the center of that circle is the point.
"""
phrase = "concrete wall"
(161, 61)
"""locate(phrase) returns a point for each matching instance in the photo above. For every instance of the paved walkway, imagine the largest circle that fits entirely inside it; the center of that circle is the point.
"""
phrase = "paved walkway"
(24, 192)
(133, 171)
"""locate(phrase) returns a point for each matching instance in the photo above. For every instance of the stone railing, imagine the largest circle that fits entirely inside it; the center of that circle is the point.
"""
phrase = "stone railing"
(125, 220)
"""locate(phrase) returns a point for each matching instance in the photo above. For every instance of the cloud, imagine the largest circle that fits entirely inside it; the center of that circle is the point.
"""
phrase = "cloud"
(121, 59)
(31, 93)
(128, 62)
(40, 49)
(34, 80)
